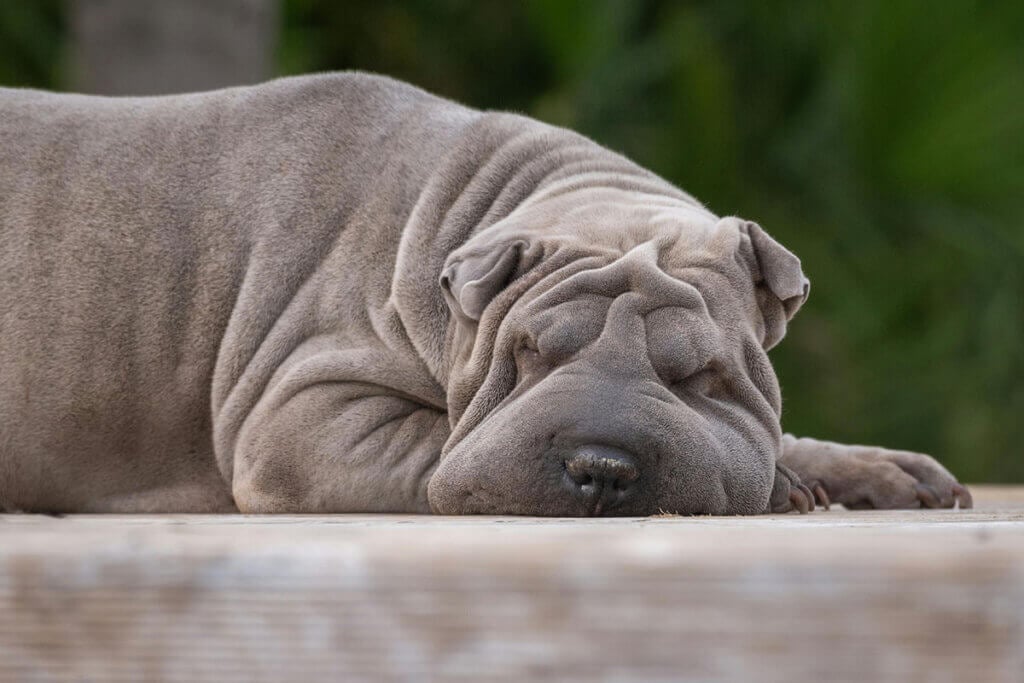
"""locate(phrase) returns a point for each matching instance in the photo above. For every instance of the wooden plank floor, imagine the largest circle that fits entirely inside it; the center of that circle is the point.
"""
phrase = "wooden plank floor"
(839, 595)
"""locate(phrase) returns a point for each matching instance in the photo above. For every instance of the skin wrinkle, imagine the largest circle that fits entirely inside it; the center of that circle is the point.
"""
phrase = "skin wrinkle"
(729, 414)
(466, 188)
(665, 395)
(244, 384)
(489, 217)
(596, 178)
(494, 159)
(548, 175)
(379, 426)
(423, 474)
(527, 190)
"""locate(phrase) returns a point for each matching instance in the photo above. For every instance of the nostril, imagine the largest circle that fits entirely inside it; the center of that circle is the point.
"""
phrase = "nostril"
(601, 475)
(579, 469)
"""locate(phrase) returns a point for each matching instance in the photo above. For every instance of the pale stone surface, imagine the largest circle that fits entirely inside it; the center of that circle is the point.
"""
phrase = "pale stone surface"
(910, 595)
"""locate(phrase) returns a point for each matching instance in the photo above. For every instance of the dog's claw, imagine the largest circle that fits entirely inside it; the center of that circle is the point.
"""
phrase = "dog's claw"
(799, 500)
(963, 496)
(927, 495)
(822, 495)
(808, 495)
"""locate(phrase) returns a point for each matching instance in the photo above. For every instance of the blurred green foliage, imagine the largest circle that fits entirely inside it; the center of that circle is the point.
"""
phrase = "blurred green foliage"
(883, 141)
(32, 38)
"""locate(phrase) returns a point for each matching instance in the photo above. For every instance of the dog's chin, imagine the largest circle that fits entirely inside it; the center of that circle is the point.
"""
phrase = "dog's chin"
(471, 501)
(455, 495)
(459, 488)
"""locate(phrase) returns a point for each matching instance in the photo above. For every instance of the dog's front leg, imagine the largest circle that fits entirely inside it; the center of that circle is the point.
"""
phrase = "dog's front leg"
(862, 477)
(325, 439)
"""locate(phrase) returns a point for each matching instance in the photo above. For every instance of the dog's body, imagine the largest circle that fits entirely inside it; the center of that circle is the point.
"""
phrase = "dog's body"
(340, 293)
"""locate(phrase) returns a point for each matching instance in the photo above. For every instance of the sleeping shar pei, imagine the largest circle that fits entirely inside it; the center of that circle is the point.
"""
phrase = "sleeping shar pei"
(339, 293)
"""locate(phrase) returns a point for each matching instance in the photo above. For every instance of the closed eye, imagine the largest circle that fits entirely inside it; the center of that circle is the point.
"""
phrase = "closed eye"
(712, 382)
(707, 381)
(529, 364)
(526, 348)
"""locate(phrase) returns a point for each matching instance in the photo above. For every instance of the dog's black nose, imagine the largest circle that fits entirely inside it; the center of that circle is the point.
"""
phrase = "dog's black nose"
(601, 476)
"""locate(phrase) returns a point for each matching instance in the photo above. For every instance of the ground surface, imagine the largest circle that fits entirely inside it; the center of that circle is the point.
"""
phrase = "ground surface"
(912, 595)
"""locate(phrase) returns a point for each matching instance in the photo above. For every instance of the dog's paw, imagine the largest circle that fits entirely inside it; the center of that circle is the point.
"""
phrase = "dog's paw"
(790, 493)
(865, 477)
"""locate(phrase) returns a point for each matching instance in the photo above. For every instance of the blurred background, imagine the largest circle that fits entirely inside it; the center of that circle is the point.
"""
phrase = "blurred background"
(882, 141)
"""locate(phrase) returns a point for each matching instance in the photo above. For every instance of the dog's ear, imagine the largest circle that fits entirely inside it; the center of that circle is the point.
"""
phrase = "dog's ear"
(471, 280)
(781, 287)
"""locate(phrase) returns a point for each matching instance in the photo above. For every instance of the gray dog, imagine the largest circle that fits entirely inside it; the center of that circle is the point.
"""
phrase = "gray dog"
(339, 293)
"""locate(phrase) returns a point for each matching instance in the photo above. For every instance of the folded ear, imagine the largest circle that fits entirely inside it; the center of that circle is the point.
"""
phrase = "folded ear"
(781, 287)
(470, 281)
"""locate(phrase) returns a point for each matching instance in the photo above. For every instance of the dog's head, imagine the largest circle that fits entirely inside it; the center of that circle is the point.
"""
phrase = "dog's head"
(609, 357)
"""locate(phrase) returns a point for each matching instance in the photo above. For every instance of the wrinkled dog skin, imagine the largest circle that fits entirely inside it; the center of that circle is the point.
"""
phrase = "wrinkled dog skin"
(340, 293)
